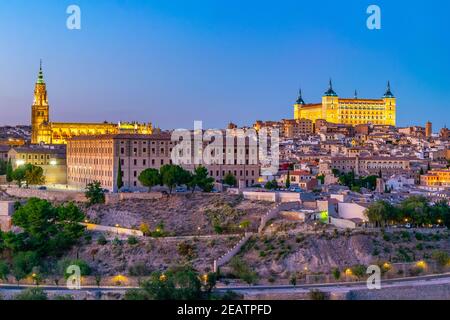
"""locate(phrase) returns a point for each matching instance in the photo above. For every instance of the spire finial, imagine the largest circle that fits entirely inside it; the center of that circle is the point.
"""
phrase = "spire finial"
(40, 79)
(300, 98)
(356, 94)
(388, 93)
(330, 91)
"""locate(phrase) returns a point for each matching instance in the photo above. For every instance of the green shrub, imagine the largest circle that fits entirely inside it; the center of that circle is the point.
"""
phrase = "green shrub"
(102, 240)
(317, 295)
(441, 257)
(132, 240)
(336, 273)
(32, 294)
(243, 271)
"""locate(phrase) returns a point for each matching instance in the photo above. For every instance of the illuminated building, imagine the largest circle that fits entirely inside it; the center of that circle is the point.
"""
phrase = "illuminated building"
(52, 159)
(436, 178)
(352, 111)
(44, 131)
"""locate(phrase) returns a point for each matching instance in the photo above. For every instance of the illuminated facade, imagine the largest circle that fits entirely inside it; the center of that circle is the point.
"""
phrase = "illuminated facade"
(349, 111)
(436, 178)
(44, 131)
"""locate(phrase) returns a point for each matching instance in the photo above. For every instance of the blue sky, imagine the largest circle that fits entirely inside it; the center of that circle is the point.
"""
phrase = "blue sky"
(175, 61)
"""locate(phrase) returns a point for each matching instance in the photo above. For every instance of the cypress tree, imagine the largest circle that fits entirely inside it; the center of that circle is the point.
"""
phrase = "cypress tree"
(288, 180)
(119, 176)
(9, 171)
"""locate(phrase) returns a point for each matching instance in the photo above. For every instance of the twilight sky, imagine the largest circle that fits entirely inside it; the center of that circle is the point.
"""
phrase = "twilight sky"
(175, 61)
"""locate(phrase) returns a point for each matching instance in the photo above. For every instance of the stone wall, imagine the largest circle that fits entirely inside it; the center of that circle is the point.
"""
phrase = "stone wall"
(50, 195)
(260, 196)
(231, 253)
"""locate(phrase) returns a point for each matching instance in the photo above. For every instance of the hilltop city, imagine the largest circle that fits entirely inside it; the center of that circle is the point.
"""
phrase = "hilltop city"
(351, 190)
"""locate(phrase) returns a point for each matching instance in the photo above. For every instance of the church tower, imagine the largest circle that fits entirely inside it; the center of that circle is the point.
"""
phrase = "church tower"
(40, 112)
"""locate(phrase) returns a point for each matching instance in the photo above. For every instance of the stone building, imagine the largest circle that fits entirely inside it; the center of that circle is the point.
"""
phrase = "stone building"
(97, 158)
(354, 111)
(51, 158)
(47, 132)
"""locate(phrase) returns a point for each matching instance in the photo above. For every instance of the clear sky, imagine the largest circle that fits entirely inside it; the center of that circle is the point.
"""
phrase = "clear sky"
(175, 61)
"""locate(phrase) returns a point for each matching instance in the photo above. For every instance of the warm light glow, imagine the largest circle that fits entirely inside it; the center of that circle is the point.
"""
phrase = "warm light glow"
(53, 162)
(348, 272)
(162, 277)
(20, 162)
(205, 278)
(120, 279)
(421, 264)
(387, 265)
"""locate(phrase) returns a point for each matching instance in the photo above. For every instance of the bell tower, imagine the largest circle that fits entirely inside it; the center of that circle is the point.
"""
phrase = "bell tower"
(40, 111)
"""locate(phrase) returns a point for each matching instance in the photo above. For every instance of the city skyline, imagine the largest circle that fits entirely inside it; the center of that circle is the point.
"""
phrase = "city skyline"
(195, 65)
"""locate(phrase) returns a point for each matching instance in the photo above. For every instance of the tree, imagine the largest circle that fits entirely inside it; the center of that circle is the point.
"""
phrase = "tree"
(380, 212)
(442, 258)
(4, 270)
(288, 180)
(94, 193)
(119, 176)
(9, 171)
(200, 179)
(47, 230)
(19, 174)
(150, 178)
(179, 283)
(23, 264)
(145, 229)
(321, 178)
(34, 175)
(417, 209)
(63, 264)
(271, 185)
(3, 165)
(173, 175)
(230, 180)
(441, 211)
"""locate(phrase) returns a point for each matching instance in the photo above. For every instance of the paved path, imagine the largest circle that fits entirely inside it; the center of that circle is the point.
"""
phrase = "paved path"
(342, 287)
(328, 287)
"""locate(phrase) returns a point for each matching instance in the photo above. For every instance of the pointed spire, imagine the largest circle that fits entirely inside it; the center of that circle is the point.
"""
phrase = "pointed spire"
(300, 99)
(356, 94)
(388, 93)
(40, 79)
(330, 91)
